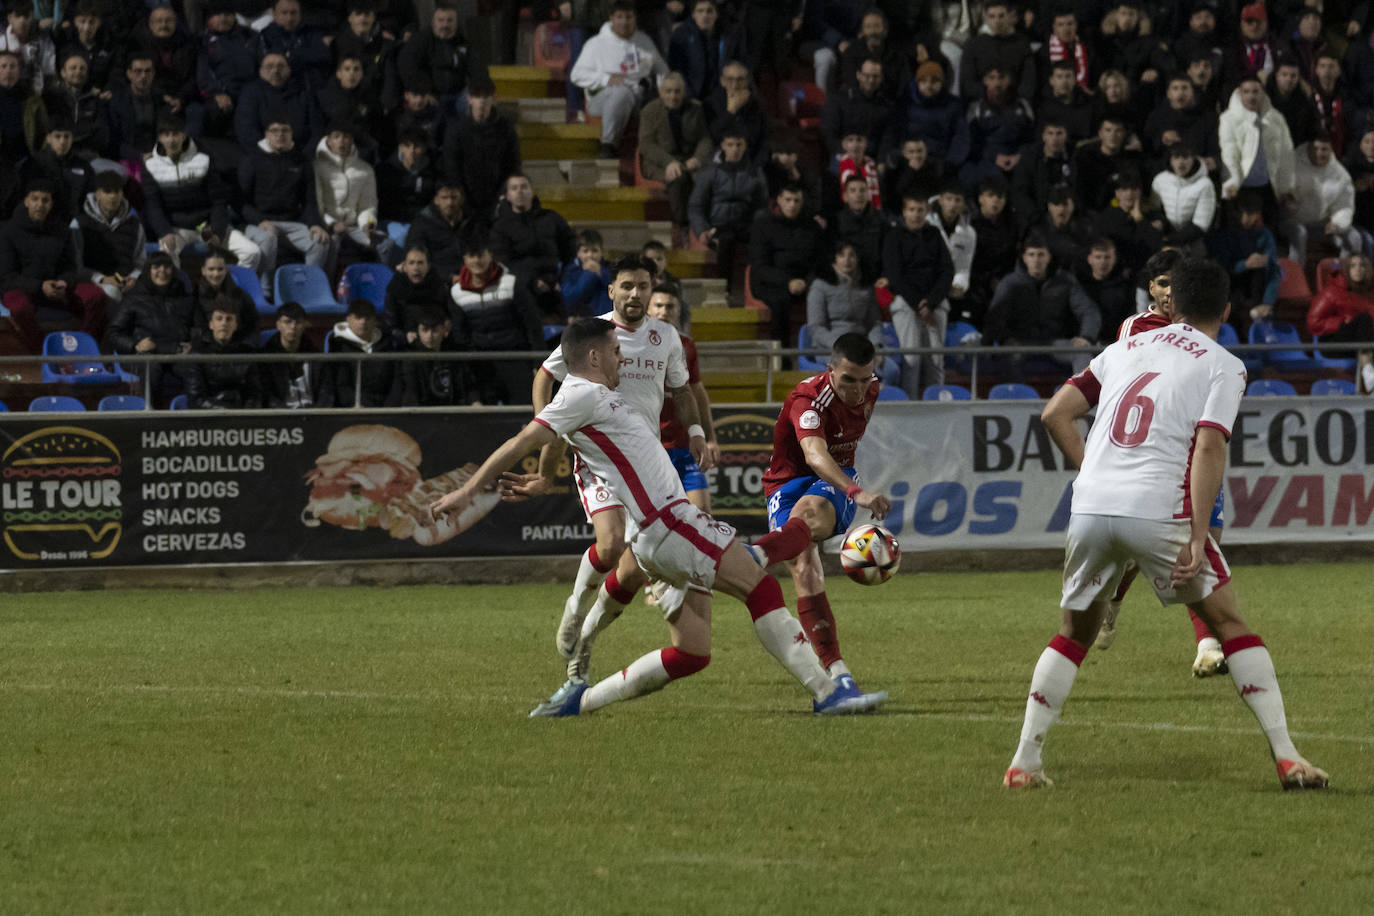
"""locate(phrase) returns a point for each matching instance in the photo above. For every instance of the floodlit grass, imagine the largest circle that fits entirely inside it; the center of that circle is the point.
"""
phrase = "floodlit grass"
(366, 750)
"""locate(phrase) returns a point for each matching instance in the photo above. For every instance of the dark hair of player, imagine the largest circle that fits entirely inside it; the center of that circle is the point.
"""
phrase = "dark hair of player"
(583, 335)
(855, 347)
(1200, 289)
(632, 263)
(1161, 262)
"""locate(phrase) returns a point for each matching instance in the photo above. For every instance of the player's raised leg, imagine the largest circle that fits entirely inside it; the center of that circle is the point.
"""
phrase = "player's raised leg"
(1252, 670)
(614, 595)
(597, 562)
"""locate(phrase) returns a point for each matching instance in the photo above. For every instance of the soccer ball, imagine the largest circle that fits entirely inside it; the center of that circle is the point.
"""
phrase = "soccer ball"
(870, 555)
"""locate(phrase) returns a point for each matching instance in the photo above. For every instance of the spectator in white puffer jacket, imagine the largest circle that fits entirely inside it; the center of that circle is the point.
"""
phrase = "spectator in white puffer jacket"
(346, 193)
(1326, 202)
(1189, 200)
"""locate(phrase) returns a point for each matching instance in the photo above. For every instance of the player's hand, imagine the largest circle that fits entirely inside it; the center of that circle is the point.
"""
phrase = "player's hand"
(712, 454)
(1189, 563)
(875, 503)
(700, 453)
(451, 505)
(516, 488)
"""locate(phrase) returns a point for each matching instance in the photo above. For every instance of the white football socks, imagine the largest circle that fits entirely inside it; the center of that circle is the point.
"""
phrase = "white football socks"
(782, 636)
(603, 613)
(644, 675)
(1050, 686)
(589, 578)
(1252, 669)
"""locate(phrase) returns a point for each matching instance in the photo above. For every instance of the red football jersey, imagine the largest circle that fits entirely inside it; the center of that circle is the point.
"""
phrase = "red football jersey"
(1140, 322)
(814, 409)
(671, 430)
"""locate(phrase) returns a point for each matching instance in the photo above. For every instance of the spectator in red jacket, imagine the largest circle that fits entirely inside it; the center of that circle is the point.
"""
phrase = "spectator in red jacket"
(1344, 310)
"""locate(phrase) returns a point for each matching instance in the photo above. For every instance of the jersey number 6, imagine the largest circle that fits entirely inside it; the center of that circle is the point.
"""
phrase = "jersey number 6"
(1124, 433)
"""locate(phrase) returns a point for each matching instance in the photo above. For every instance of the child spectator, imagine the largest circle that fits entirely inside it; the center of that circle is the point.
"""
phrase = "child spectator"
(435, 383)
(346, 192)
(587, 280)
(223, 385)
(285, 383)
(853, 159)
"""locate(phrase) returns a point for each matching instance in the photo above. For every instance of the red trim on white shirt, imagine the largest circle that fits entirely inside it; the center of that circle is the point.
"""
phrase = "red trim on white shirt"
(1088, 384)
(544, 423)
(1217, 426)
(623, 465)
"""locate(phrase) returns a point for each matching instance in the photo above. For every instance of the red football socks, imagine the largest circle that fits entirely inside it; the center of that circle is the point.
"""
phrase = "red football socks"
(819, 623)
(787, 542)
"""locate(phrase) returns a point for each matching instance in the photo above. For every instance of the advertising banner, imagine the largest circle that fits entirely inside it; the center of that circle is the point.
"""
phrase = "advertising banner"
(985, 473)
(83, 489)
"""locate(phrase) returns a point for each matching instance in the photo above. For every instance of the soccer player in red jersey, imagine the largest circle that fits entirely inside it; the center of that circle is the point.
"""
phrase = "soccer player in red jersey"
(1210, 659)
(812, 486)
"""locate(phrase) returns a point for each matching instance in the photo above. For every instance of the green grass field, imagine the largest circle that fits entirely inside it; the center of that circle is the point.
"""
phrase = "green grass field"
(367, 750)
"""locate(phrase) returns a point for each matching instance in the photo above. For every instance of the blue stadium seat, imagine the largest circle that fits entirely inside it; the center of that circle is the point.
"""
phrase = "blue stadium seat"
(308, 285)
(891, 369)
(1344, 363)
(247, 281)
(1277, 332)
(553, 330)
(1228, 338)
(1333, 386)
(180, 402)
(329, 341)
(1270, 387)
(121, 402)
(4, 408)
(804, 342)
(366, 281)
(264, 335)
(955, 332)
(892, 393)
(55, 404)
(1012, 391)
(946, 393)
(73, 344)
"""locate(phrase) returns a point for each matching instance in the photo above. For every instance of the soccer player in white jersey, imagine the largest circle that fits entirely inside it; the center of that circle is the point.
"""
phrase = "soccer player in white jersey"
(654, 362)
(1148, 475)
(669, 536)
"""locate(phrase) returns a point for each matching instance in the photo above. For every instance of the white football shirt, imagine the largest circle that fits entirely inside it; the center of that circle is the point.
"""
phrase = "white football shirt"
(618, 445)
(651, 357)
(1152, 392)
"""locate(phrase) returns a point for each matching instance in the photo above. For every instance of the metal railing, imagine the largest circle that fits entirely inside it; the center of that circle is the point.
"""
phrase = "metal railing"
(766, 353)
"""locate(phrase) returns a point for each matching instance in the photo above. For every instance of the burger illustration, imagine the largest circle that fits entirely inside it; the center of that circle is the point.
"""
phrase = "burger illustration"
(370, 478)
(62, 495)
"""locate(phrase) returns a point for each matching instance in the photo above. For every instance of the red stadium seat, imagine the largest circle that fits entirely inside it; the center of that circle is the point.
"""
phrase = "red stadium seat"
(1294, 286)
(641, 181)
(552, 47)
(1326, 269)
(801, 103)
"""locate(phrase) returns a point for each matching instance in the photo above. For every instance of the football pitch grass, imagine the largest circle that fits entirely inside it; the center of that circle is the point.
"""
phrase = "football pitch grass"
(367, 750)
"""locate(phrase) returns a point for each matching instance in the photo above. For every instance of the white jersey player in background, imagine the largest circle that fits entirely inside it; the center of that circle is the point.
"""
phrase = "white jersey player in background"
(669, 536)
(1149, 474)
(652, 361)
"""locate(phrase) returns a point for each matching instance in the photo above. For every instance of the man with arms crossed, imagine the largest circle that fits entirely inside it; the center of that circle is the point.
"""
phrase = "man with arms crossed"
(668, 535)
(812, 486)
(1148, 475)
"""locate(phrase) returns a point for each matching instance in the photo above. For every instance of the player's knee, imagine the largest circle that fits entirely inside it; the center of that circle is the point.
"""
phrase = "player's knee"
(680, 663)
(610, 545)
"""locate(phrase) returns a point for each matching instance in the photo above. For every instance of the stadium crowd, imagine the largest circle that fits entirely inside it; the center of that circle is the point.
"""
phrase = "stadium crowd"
(1007, 166)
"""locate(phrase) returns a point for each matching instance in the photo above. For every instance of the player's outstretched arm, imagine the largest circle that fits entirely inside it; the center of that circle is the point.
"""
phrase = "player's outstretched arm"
(819, 460)
(1060, 418)
(533, 436)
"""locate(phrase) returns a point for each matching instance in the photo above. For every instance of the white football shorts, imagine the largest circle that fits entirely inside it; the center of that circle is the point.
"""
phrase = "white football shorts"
(681, 545)
(1099, 547)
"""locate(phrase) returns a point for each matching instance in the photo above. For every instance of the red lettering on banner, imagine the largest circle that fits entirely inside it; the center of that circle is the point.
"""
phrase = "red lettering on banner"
(1245, 506)
(1302, 501)
(1351, 498)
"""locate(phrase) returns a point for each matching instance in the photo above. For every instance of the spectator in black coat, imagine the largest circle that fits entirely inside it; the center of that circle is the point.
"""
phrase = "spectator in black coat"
(914, 172)
(700, 47)
(364, 37)
(285, 383)
(1136, 228)
(1037, 305)
(226, 64)
(73, 98)
(859, 107)
(38, 267)
(405, 180)
(1064, 231)
(435, 383)
(997, 46)
(862, 225)
(1289, 95)
(1336, 106)
(1099, 162)
(23, 119)
(113, 245)
(436, 64)
(273, 94)
(359, 333)
(303, 45)
(135, 110)
(1000, 124)
(173, 53)
(157, 316)
(70, 174)
(734, 108)
(1042, 169)
(1110, 287)
(1179, 119)
(481, 149)
(533, 242)
(1064, 102)
(223, 385)
(875, 43)
(786, 249)
(347, 99)
(278, 187)
(439, 229)
(928, 111)
(86, 33)
(725, 199)
(917, 269)
(994, 254)
(492, 312)
(413, 289)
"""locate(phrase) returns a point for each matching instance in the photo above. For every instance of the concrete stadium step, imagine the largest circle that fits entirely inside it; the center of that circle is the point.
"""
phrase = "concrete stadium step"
(525, 82)
(750, 387)
(535, 111)
(742, 324)
(685, 264)
(559, 141)
(737, 355)
(615, 204)
(704, 292)
(625, 236)
(575, 173)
